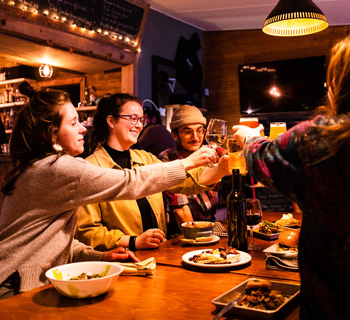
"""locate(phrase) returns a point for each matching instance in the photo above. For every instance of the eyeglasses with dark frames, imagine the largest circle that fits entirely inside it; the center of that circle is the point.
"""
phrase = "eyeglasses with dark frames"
(189, 132)
(134, 119)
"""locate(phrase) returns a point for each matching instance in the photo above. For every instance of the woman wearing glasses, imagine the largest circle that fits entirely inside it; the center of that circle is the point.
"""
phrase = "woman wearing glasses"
(141, 223)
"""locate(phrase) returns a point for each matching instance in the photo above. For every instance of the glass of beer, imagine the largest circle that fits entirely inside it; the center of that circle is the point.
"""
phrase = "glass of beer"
(251, 122)
(236, 157)
(277, 128)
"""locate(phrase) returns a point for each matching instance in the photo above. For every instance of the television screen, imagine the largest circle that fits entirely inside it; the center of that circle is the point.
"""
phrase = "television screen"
(282, 86)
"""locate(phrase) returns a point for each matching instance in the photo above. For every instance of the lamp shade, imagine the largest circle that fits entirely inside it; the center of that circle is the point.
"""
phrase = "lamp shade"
(295, 18)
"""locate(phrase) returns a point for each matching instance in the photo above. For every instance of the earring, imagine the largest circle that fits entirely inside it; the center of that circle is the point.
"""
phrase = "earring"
(57, 147)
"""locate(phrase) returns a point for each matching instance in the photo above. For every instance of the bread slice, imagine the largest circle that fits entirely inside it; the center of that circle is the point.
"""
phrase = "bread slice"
(258, 284)
(204, 239)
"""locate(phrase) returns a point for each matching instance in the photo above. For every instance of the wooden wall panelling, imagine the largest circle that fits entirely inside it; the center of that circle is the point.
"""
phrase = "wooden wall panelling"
(225, 50)
(105, 82)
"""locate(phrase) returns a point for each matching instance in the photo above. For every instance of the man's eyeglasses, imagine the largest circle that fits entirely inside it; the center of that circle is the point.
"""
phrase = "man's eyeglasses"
(189, 132)
(134, 119)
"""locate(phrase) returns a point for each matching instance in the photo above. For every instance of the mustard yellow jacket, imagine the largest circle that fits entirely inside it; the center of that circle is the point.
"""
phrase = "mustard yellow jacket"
(101, 225)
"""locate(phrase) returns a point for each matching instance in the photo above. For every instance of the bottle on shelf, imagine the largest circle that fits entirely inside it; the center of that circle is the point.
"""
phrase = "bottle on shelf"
(7, 120)
(18, 97)
(7, 94)
(236, 214)
(86, 96)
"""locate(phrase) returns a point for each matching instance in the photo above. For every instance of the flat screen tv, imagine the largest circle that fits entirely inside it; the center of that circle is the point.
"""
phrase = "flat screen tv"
(282, 86)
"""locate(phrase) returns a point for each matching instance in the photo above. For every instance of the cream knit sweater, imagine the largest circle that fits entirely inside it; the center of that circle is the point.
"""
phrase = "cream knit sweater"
(38, 221)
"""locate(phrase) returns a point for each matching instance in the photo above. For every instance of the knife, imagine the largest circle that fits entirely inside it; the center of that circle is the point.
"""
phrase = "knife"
(229, 306)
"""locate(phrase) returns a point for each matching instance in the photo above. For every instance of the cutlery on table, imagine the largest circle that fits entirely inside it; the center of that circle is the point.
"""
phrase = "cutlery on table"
(229, 306)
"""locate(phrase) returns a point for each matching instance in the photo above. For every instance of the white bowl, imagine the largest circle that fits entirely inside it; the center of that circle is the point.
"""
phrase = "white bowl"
(60, 277)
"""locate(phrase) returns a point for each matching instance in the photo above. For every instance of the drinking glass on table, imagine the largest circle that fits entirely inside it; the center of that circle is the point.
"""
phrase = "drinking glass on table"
(277, 128)
(236, 158)
(254, 215)
(216, 133)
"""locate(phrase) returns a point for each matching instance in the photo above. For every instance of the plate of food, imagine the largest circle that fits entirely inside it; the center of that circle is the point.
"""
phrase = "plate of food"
(280, 295)
(222, 257)
(286, 244)
(287, 220)
(200, 240)
(267, 230)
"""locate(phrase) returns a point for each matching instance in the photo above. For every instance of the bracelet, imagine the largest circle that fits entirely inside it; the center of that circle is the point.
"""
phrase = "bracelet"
(132, 245)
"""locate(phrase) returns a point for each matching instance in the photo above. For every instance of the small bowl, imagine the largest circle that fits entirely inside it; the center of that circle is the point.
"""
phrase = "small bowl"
(201, 229)
(60, 277)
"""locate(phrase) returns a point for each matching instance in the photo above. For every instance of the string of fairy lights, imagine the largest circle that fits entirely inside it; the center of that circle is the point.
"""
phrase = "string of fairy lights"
(34, 9)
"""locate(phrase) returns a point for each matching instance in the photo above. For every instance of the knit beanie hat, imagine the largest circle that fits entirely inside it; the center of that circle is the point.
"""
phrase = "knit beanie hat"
(187, 115)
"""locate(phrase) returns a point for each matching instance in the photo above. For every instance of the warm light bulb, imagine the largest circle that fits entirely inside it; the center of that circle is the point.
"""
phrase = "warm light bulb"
(45, 71)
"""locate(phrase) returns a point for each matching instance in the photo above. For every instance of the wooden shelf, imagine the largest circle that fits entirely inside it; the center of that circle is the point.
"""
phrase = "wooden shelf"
(18, 80)
(84, 109)
(12, 104)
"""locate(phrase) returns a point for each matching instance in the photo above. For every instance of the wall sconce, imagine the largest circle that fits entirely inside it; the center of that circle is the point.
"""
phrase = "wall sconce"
(295, 18)
(45, 71)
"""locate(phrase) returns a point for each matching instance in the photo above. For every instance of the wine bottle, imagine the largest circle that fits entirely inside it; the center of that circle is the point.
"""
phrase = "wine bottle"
(236, 214)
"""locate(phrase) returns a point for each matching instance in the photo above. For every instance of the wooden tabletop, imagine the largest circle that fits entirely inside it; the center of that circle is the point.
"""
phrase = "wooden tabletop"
(175, 291)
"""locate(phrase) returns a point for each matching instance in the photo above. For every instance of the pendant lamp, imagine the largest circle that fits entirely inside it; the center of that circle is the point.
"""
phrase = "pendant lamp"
(295, 18)
(45, 71)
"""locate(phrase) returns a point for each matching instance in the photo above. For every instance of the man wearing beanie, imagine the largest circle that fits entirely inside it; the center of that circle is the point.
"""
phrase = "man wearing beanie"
(188, 129)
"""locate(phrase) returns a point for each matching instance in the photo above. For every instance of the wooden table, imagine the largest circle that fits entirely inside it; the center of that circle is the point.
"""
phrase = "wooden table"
(175, 291)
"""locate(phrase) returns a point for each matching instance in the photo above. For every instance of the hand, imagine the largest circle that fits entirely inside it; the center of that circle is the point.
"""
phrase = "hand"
(201, 157)
(222, 165)
(243, 132)
(150, 239)
(119, 254)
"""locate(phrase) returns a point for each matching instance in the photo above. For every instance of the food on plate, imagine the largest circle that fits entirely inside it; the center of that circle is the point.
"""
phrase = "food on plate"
(199, 239)
(288, 240)
(204, 239)
(267, 227)
(287, 219)
(198, 225)
(88, 276)
(259, 295)
(222, 255)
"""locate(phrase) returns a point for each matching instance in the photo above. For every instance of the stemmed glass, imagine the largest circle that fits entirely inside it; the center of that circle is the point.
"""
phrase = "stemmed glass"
(216, 133)
(254, 215)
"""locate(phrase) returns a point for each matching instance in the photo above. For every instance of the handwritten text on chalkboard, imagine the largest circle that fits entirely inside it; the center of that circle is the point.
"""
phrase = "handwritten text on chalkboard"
(116, 16)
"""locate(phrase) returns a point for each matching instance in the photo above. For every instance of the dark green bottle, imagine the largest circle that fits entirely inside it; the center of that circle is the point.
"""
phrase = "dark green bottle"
(236, 215)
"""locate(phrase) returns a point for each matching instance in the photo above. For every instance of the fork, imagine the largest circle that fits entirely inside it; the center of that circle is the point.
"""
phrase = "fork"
(229, 306)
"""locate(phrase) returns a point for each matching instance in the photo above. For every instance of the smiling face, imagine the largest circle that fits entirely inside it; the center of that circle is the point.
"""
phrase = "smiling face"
(190, 138)
(70, 135)
(123, 134)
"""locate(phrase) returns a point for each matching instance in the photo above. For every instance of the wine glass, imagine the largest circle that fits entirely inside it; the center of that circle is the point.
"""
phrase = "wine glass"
(216, 133)
(254, 215)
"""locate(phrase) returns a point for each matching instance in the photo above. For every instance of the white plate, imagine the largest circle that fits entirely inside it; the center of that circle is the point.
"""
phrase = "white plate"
(199, 243)
(272, 250)
(245, 258)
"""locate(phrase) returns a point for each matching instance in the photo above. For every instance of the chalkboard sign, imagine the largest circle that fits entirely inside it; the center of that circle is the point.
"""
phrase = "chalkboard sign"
(116, 16)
